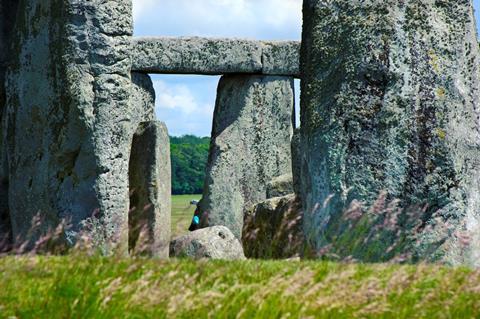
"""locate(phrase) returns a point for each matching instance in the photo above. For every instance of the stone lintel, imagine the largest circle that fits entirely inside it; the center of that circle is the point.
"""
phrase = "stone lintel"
(215, 56)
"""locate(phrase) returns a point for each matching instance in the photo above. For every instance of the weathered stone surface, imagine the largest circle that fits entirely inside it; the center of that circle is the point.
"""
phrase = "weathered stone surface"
(150, 190)
(8, 12)
(250, 145)
(273, 228)
(142, 100)
(281, 58)
(196, 55)
(390, 95)
(69, 130)
(296, 161)
(280, 186)
(215, 56)
(215, 242)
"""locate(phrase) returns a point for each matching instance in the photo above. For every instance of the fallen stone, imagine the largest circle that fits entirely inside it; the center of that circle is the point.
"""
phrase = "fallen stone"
(280, 186)
(390, 95)
(273, 229)
(215, 242)
(150, 191)
(252, 128)
(213, 56)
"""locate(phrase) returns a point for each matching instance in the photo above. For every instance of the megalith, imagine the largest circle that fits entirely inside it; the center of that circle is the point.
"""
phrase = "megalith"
(68, 118)
(150, 191)
(8, 13)
(252, 127)
(390, 102)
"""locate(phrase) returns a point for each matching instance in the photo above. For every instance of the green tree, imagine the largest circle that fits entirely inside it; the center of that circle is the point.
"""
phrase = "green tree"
(189, 155)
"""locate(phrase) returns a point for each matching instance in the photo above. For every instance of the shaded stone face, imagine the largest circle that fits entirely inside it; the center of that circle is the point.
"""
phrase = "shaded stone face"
(252, 128)
(8, 13)
(68, 117)
(390, 102)
(150, 190)
(273, 228)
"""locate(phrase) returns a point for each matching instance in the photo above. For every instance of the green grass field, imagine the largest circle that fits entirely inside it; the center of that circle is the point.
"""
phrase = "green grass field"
(182, 213)
(79, 287)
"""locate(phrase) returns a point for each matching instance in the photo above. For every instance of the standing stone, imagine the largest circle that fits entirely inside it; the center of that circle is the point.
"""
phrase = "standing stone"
(8, 13)
(150, 185)
(252, 127)
(390, 95)
(69, 126)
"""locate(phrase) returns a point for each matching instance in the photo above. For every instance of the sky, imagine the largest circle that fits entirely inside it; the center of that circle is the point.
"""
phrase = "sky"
(186, 102)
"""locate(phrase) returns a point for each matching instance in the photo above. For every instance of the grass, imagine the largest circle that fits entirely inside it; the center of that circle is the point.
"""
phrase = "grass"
(80, 286)
(94, 287)
(182, 213)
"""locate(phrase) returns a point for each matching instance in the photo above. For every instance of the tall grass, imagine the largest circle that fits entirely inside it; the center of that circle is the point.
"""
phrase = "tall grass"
(76, 286)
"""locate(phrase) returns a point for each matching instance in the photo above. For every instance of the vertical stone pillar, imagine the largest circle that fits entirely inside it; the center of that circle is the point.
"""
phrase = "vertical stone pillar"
(252, 128)
(69, 120)
(390, 102)
(8, 13)
(150, 195)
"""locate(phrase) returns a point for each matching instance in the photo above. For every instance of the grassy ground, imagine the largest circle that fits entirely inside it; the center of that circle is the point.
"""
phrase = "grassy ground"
(182, 213)
(79, 287)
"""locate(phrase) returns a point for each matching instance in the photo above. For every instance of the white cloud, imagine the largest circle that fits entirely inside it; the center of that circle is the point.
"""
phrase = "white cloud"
(140, 7)
(263, 19)
(179, 97)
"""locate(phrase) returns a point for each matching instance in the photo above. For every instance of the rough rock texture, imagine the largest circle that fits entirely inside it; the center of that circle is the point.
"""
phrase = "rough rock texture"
(215, 56)
(142, 99)
(8, 13)
(273, 228)
(216, 242)
(69, 123)
(281, 58)
(250, 145)
(196, 55)
(150, 190)
(390, 96)
(280, 186)
(297, 161)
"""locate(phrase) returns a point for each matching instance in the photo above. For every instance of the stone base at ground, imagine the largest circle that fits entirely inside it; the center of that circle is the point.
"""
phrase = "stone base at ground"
(273, 229)
(215, 242)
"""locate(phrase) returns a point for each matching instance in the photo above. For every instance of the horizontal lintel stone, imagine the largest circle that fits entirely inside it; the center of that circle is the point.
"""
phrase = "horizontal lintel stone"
(215, 56)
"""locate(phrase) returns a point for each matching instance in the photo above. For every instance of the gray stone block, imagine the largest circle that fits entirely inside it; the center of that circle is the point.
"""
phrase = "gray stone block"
(390, 95)
(68, 118)
(215, 56)
(273, 229)
(251, 133)
(280, 186)
(8, 12)
(296, 161)
(216, 242)
(281, 58)
(150, 191)
(196, 55)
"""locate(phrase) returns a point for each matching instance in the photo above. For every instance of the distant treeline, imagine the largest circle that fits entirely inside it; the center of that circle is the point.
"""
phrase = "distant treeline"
(189, 155)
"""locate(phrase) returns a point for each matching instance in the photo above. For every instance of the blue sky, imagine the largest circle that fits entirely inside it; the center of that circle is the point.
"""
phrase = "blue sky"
(186, 102)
